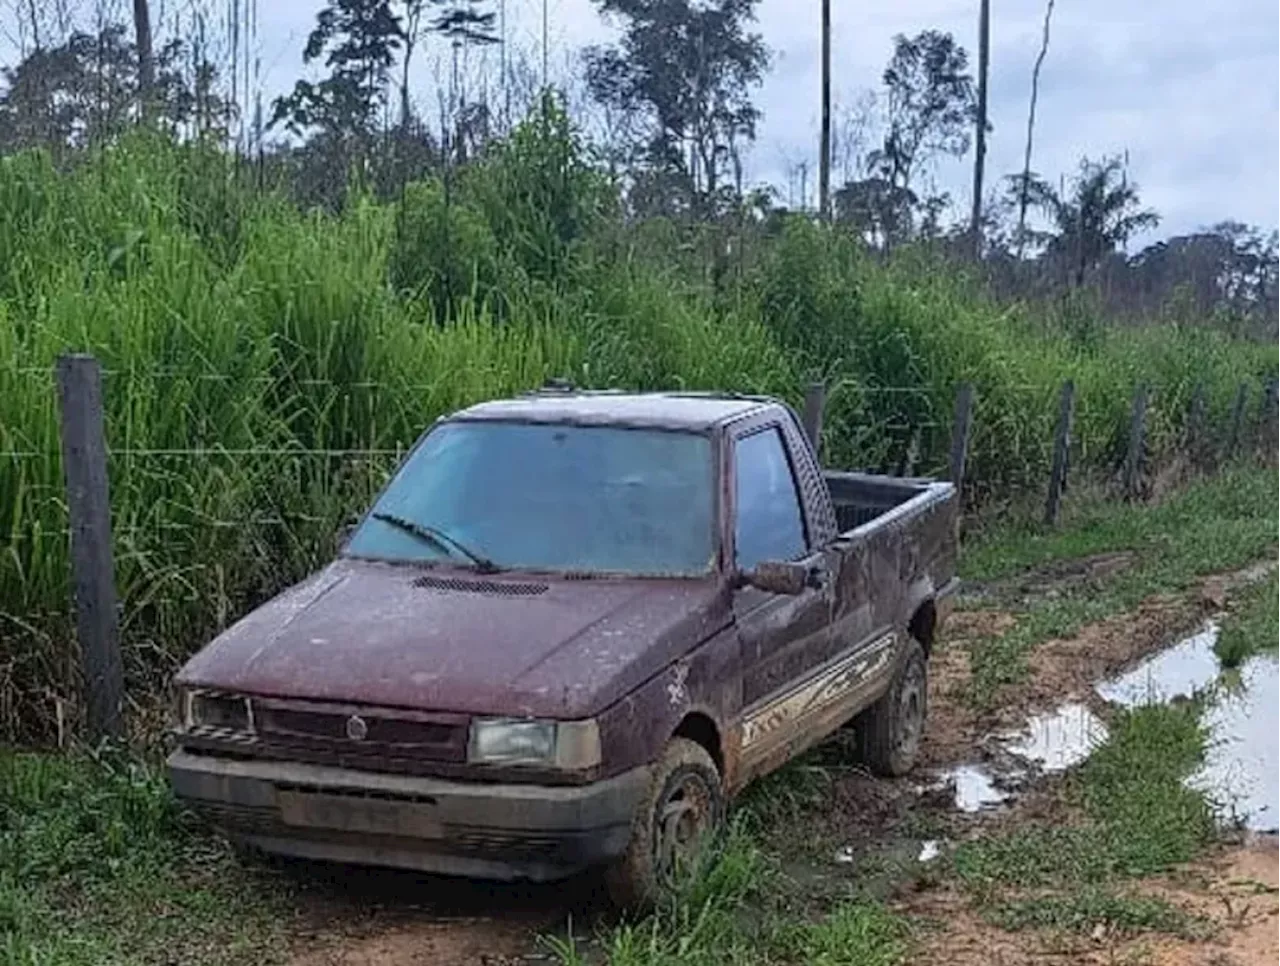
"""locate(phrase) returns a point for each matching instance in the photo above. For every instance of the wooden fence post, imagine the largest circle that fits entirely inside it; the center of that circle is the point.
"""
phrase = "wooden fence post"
(1194, 438)
(815, 398)
(84, 461)
(1268, 416)
(960, 433)
(1137, 439)
(1237, 421)
(1061, 452)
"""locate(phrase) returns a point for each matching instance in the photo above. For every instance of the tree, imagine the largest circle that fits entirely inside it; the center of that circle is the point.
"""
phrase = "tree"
(931, 105)
(1023, 198)
(1098, 215)
(683, 72)
(85, 92)
(358, 40)
(146, 61)
(878, 210)
(980, 133)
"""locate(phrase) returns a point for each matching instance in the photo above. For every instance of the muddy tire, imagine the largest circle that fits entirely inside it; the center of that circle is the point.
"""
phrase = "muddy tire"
(888, 733)
(680, 812)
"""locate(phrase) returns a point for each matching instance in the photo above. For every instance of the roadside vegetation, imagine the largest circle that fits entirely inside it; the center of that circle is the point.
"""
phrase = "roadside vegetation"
(1213, 525)
(264, 365)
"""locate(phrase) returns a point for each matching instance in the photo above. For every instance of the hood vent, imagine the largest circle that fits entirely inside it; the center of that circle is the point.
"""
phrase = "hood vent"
(496, 588)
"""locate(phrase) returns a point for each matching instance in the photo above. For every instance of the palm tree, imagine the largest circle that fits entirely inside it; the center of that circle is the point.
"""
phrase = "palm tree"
(1097, 216)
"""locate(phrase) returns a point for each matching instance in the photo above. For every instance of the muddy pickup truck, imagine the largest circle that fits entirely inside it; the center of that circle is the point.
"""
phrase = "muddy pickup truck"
(570, 627)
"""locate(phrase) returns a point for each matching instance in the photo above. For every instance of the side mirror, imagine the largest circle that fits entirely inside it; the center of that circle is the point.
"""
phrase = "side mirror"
(779, 577)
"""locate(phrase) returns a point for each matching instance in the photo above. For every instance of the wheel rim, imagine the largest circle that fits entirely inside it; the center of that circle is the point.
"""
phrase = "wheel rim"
(684, 817)
(911, 703)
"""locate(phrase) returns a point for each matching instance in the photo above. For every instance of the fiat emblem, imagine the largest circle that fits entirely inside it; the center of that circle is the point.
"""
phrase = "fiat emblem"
(357, 729)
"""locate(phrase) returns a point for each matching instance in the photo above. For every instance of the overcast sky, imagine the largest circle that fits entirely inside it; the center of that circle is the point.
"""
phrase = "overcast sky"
(1188, 88)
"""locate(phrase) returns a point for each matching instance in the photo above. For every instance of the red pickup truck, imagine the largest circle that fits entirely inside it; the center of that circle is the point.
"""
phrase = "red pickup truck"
(569, 629)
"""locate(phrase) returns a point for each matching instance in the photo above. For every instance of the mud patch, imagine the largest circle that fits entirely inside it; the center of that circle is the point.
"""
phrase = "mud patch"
(360, 916)
(1054, 579)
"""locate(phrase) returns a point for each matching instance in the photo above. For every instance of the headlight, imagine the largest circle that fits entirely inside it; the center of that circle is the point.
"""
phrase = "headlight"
(212, 709)
(521, 741)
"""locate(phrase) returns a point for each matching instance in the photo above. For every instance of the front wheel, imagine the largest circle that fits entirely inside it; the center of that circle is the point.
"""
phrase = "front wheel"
(888, 733)
(680, 812)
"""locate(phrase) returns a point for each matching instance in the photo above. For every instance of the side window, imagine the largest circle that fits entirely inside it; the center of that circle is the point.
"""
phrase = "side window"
(769, 525)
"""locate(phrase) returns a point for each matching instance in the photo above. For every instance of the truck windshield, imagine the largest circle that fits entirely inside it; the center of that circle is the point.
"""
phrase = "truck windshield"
(549, 497)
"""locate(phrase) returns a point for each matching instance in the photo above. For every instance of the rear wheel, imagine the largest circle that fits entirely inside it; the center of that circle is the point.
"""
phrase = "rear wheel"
(678, 815)
(888, 733)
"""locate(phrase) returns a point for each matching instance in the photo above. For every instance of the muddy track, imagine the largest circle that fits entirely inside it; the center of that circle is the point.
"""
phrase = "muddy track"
(364, 917)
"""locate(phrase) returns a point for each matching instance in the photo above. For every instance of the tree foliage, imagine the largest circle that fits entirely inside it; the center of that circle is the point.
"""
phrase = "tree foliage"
(682, 76)
(85, 90)
(932, 105)
(1099, 213)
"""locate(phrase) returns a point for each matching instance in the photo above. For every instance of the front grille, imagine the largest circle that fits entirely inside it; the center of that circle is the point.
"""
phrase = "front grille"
(523, 845)
(497, 588)
(379, 730)
(342, 736)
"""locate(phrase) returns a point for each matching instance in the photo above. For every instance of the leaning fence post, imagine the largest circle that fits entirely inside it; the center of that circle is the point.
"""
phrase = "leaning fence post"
(815, 397)
(960, 433)
(1268, 416)
(1137, 439)
(84, 462)
(1061, 452)
(1237, 421)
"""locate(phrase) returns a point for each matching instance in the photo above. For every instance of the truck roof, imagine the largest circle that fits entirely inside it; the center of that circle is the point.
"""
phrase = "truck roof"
(666, 410)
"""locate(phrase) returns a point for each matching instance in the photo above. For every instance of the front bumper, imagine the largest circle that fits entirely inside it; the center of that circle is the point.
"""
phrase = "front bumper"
(488, 831)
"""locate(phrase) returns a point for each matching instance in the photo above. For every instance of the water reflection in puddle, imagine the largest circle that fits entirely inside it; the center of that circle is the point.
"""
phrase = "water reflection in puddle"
(1059, 740)
(1176, 672)
(975, 787)
(1241, 774)
(1243, 762)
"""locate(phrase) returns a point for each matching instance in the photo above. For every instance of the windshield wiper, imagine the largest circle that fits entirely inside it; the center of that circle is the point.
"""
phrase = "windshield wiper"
(438, 538)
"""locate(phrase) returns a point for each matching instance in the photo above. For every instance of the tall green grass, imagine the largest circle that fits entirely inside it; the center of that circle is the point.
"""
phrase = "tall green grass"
(265, 365)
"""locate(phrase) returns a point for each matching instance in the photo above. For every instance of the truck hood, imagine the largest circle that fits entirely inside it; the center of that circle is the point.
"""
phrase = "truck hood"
(378, 634)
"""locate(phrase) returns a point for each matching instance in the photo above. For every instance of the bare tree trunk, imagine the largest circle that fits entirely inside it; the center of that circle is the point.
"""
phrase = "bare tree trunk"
(1031, 124)
(980, 142)
(824, 158)
(146, 62)
(34, 15)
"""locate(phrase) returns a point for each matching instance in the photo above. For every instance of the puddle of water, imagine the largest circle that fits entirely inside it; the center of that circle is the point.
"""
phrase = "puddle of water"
(1176, 672)
(1059, 740)
(975, 788)
(1241, 773)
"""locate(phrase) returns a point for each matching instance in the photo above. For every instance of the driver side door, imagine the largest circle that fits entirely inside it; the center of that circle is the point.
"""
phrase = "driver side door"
(781, 637)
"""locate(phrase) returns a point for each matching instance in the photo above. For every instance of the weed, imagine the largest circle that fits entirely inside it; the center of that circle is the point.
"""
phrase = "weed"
(1085, 911)
(1252, 628)
(97, 865)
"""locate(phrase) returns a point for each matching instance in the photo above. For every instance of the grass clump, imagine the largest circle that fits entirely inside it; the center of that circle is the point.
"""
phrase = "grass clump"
(736, 908)
(1137, 818)
(98, 866)
(1252, 628)
(1125, 913)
